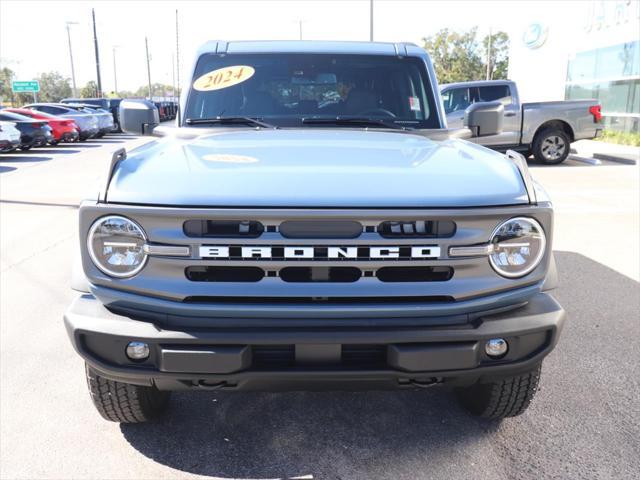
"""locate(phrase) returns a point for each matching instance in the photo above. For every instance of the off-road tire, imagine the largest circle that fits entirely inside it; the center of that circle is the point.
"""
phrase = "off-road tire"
(505, 397)
(123, 402)
(539, 144)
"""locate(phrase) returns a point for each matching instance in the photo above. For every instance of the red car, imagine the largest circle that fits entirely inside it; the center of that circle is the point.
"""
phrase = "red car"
(62, 129)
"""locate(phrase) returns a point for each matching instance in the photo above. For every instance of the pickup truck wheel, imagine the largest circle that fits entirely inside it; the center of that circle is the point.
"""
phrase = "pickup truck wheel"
(551, 146)
(123, 402)
(506, 397)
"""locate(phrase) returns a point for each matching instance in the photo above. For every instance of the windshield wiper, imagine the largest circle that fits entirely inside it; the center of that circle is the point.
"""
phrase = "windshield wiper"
(354, 121)
(229, 121)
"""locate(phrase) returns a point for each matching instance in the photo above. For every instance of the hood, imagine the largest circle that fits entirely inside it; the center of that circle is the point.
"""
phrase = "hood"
(315, 168)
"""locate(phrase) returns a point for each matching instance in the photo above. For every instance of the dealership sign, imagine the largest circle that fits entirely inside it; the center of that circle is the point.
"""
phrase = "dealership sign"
(535, 35)
(30, 86)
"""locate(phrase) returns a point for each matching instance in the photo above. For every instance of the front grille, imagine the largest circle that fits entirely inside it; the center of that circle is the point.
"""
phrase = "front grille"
(383, 261)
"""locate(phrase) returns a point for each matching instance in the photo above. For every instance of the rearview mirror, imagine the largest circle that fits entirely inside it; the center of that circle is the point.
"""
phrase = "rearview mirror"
(139, 117)
(484, 118)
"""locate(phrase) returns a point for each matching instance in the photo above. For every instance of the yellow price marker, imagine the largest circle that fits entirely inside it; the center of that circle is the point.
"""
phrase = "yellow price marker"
(223, 78)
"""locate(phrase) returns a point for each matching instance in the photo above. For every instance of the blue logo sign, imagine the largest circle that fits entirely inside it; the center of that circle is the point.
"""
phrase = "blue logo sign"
(535, 35)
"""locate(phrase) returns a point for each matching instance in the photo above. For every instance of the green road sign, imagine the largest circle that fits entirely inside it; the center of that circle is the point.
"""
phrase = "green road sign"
(25, 86)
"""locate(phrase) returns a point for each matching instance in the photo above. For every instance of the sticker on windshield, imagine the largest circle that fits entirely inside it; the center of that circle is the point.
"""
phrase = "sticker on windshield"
(223, 78)
(414, 104)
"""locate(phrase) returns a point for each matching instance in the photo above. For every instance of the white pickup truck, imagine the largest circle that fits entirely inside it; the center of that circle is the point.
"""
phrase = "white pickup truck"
(542, 129)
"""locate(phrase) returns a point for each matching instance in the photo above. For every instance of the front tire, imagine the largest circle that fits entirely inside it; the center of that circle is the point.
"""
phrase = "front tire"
(551, 146)
(501, 398)
(123, 402)
(25, 148)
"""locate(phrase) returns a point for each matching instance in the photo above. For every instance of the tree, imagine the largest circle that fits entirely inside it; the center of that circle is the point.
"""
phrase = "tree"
(6, 77)
(458, 57)
(90, 90)
(53, 87)
(157, 90)
(455, 55)
(499, 55)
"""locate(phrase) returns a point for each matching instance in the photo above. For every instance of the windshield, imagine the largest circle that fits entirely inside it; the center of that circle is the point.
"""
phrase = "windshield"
(284, 89)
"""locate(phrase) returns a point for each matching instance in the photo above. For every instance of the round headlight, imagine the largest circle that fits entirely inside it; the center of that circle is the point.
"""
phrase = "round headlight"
(116, 246)
(518, 246)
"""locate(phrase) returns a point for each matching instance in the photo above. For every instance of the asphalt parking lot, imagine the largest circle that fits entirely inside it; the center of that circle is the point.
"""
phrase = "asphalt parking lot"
(584, 422)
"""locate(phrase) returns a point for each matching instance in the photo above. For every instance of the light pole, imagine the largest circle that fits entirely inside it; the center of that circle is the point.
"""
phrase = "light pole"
(73, 71)
(300, 22)
(95, 44)
(146, 46)
(371, 20)
(115, 74)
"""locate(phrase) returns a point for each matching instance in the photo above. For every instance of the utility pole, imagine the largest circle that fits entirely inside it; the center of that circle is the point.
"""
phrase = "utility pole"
(177, 54)
(300, 22)
(173, 77)
(95, 42)
(489, 57)
(73, 70)
(371, 20)
(115, 74)
(146, 45)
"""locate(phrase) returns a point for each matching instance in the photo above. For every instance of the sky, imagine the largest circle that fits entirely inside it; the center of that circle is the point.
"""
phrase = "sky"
(37, 42)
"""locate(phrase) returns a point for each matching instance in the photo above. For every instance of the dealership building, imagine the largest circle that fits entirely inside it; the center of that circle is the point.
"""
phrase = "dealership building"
(587, 52)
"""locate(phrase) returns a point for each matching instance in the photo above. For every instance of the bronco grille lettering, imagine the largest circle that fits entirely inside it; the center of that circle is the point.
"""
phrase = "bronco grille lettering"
(287, 252)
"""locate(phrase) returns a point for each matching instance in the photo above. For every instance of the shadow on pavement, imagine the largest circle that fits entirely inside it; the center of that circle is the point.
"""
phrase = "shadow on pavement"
(4, 169)
(579, 423)
(23, 158)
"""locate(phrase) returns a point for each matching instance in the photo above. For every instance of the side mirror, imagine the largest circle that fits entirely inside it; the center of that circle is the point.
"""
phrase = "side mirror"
(139, 117)
(484, 118)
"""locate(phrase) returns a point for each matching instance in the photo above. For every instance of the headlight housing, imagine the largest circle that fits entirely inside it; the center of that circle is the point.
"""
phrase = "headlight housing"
(518, 246)
(116, 246)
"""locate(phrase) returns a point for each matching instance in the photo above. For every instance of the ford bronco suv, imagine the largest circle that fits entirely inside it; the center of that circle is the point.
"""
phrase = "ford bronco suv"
(311, 223)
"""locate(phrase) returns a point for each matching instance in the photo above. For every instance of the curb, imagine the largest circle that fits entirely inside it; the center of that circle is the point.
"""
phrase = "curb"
(625, 159)
(587, 160)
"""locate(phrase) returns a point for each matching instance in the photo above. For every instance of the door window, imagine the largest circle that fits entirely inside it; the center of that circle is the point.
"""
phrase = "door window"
(456, 99)
(495, 93)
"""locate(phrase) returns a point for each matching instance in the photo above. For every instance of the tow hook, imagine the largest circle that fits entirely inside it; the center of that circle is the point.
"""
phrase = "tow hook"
(204, 385)
(427, 383)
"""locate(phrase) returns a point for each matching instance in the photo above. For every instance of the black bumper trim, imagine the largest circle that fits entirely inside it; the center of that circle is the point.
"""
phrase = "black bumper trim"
(100, 337)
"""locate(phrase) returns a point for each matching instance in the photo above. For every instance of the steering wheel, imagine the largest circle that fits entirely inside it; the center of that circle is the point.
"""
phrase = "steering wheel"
(373, 111)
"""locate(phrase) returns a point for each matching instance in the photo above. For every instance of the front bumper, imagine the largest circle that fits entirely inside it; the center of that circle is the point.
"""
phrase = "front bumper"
(71, 136)
(88, 133)
(9, 145)
(308, 358)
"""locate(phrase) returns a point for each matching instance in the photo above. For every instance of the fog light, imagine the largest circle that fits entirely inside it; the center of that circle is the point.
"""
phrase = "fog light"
(496, 347)
(137, 350)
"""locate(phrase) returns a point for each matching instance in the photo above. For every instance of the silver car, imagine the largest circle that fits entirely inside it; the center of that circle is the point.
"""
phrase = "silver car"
(87, 122)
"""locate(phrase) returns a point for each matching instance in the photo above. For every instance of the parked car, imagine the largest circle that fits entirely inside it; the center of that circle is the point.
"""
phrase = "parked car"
(63, 129)
(9, 137)
(359, 247)
(544, 129)
(87, 122)
(33, 133)
(105, 118)
(109, 104)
